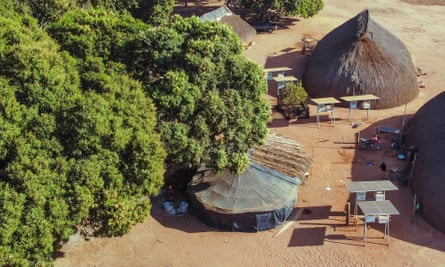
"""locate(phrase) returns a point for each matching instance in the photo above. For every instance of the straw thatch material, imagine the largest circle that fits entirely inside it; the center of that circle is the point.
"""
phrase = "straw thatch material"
(245, 32)
(361, 57)
(284, 155)
(426, 131)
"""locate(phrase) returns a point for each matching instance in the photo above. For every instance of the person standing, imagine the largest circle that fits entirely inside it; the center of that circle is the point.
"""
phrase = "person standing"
(383, 169)
(170, 194)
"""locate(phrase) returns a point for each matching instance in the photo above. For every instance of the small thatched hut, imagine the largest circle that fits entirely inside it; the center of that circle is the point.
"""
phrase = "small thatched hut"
(361, 57)
(245, 32)
(258, 199)
(426, 132)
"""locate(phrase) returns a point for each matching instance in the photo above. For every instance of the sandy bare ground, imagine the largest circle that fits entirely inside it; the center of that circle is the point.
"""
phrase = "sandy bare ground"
(320, 238)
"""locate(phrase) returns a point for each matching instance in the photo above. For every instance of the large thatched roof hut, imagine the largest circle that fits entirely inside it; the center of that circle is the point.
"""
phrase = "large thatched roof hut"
(426, 132)
(361, 57)
(259, 198)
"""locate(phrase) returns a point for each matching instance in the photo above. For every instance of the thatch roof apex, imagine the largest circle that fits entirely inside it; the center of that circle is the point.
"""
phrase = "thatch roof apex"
(362, 57)
(362, 23)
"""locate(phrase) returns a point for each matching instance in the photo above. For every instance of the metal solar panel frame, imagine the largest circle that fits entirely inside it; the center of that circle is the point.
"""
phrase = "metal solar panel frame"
(384, 207)
(370, 186)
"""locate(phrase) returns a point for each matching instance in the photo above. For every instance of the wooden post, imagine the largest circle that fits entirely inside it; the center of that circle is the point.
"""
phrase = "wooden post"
(414, 208)
(412, 169)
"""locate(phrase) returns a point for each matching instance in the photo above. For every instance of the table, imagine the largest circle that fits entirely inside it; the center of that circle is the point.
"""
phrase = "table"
(377, 208)
(269, 74)
(353, 103)
(325, 104)
(281, 82)
(369, 186)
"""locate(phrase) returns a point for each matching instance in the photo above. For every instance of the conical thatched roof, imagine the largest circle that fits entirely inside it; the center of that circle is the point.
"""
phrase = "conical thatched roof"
(361, 57)
(426, 131)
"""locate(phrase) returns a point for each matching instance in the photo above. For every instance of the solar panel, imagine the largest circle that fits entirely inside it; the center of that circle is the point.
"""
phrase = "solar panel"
(378, 207)
(370, 186)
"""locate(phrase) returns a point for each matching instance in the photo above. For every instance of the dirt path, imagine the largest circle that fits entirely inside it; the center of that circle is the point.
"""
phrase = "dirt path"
(318, 238)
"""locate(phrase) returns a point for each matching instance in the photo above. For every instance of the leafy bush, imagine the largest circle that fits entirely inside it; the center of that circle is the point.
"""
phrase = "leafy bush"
(292, 98)
(293, 94)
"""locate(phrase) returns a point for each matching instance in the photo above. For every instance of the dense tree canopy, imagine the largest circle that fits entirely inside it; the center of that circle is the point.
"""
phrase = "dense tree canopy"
(154, 12)
(94, 104)
(202, 86)
(210, 98)
(68, 155)
(303, 8)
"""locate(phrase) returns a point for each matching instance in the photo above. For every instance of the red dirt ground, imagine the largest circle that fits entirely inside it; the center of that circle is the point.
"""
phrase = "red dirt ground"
(320, 238)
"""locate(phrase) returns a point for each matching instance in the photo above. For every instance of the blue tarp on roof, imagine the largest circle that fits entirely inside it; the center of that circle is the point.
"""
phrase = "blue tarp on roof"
(216, 14)
(255, 200)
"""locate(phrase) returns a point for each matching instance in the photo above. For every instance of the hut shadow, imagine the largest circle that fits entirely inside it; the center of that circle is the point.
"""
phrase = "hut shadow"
(313, 233)
(337, 219)
(315, 213)
(278, 123)
(302, 237)
(278, 120)
(402, 226)
(285, 23)
(58, 254)
(188, 222)
(290, 57)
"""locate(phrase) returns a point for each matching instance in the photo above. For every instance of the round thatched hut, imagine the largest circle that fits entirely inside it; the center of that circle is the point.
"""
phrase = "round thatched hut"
(361, 57)
(258, 199)
(426, 132)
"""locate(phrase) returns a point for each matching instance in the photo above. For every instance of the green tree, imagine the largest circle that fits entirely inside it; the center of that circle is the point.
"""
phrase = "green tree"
(154, 12)
(292, 99)
(303, 8)
(118, 157)
(293, 94)
(112, 128)
(210, 99)
(35, 83)
(75, 146)
(46, 11)
(201, 84)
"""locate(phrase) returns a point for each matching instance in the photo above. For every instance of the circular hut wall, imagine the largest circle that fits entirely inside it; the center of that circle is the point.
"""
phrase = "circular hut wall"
(361, 57)
(243, 222)
(426, 131)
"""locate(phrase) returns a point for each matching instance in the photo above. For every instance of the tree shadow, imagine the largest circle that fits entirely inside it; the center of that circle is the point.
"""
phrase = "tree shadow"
(187, 222)
(290, 57)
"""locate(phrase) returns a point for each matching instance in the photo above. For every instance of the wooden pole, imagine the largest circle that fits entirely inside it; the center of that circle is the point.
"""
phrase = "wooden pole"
(411, 170)
(414, 208)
